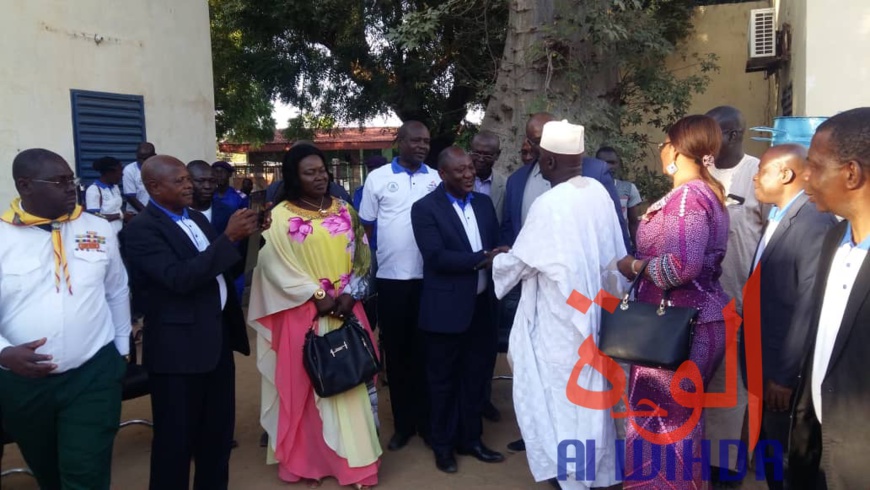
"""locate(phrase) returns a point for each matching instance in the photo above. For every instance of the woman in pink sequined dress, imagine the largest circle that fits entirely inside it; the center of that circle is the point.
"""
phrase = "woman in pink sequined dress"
(681, 240)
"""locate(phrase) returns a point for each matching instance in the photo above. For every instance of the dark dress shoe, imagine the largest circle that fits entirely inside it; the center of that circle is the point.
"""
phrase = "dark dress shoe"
(398, 441)
(264, 439)
(481, 453)
(446, 463)
(517, 446)
(490, 412)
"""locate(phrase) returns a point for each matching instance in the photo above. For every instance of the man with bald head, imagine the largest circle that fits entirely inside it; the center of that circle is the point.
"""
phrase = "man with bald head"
(735, 170)
(788, 255)
(548, 263)
(182, 267)
(388, 195)
(457, 231)
(64, 325)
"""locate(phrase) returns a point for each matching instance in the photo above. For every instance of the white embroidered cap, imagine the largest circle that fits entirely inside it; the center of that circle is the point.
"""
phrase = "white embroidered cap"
(563, 138)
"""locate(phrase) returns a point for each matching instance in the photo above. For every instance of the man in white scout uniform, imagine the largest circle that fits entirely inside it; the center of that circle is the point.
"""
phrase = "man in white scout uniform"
(64, 327)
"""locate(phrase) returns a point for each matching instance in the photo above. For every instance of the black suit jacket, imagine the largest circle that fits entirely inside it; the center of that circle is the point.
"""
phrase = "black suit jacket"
(184, 323)
(842, 441)
(788, 270)
(449, 279)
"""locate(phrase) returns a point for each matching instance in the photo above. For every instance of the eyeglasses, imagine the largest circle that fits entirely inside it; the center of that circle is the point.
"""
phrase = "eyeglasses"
(74, 182)
(486, 157)
(663, 144)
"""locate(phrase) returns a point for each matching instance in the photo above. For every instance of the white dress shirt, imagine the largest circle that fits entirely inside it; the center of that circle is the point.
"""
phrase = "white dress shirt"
(76, 326)
(469, 221)
(208, 213)
(132, 184)
(200, 241)
(844, 270)
(388, 194)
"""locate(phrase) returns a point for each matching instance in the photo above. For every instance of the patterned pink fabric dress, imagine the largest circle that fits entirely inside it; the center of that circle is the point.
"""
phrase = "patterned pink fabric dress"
(684, 237)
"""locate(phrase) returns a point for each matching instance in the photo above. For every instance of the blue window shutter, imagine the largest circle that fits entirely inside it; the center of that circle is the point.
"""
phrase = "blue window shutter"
(105, 125)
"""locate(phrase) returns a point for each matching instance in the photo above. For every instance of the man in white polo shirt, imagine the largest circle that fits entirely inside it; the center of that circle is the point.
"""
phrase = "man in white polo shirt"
(64, 326)
(135, 193)
(830, 437)
(388, 195)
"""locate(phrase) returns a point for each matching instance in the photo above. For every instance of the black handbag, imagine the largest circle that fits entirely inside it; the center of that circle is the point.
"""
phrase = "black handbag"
(646, 334)
(341, 359)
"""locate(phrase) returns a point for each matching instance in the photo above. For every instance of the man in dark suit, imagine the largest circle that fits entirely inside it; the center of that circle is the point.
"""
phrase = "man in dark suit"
(788, 254)
(456, 230)
(830, 438)
(193, 323)
(526, 184)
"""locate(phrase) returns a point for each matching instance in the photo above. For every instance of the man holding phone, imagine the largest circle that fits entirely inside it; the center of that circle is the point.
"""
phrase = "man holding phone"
(183, 267)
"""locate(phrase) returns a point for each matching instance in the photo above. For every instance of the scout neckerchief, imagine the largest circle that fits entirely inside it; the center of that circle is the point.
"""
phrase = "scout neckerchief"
(19, 217)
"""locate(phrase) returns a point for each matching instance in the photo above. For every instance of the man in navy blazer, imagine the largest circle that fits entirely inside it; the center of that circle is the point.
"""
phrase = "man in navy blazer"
(456, 230)
(516, 200)
(788, 254)
(193, 323)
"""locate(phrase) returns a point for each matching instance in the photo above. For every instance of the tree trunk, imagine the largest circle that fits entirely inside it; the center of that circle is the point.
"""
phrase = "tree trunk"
(518, 85)
(532, 76)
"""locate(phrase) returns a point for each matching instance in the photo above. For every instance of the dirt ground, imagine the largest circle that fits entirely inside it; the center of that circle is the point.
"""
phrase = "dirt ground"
(411, 468)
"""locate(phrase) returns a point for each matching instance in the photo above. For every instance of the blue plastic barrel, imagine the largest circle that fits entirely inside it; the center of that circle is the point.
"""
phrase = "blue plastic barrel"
(798, 130)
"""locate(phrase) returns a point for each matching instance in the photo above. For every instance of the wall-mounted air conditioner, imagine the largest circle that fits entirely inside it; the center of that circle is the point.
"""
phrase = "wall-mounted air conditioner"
(765, 42)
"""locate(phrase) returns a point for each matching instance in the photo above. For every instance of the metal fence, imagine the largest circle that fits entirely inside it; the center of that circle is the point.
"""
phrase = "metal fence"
(348, 175)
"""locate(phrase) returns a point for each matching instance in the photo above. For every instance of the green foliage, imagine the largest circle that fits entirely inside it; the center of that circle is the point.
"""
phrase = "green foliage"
(243, 108)
(352, 60)
(610, 57)
(305, 126)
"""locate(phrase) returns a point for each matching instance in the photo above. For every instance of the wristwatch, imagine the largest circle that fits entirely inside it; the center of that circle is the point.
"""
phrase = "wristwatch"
(319, 294)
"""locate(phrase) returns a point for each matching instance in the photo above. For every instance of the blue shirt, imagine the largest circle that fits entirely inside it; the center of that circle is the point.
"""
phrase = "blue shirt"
(461, 202)
(357, 199)
(232, 198)
(777, 214)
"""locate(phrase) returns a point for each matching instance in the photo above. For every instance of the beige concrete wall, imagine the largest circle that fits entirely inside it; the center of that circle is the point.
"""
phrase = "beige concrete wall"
(724, 30)
(837, 55)
(794, 14)
(159, 49)
(828, 65)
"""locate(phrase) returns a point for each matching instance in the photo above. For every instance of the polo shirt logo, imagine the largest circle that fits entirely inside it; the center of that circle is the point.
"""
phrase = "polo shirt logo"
(432, 186)
(90, 241)
(392, 187)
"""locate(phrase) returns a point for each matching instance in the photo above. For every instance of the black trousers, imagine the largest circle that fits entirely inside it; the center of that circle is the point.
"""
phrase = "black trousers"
(775, 427)
(458, 366)
(398, 316)
(194, 416)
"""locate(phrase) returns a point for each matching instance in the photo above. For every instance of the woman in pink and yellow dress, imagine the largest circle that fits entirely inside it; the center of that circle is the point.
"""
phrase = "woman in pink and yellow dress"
(315, 258)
